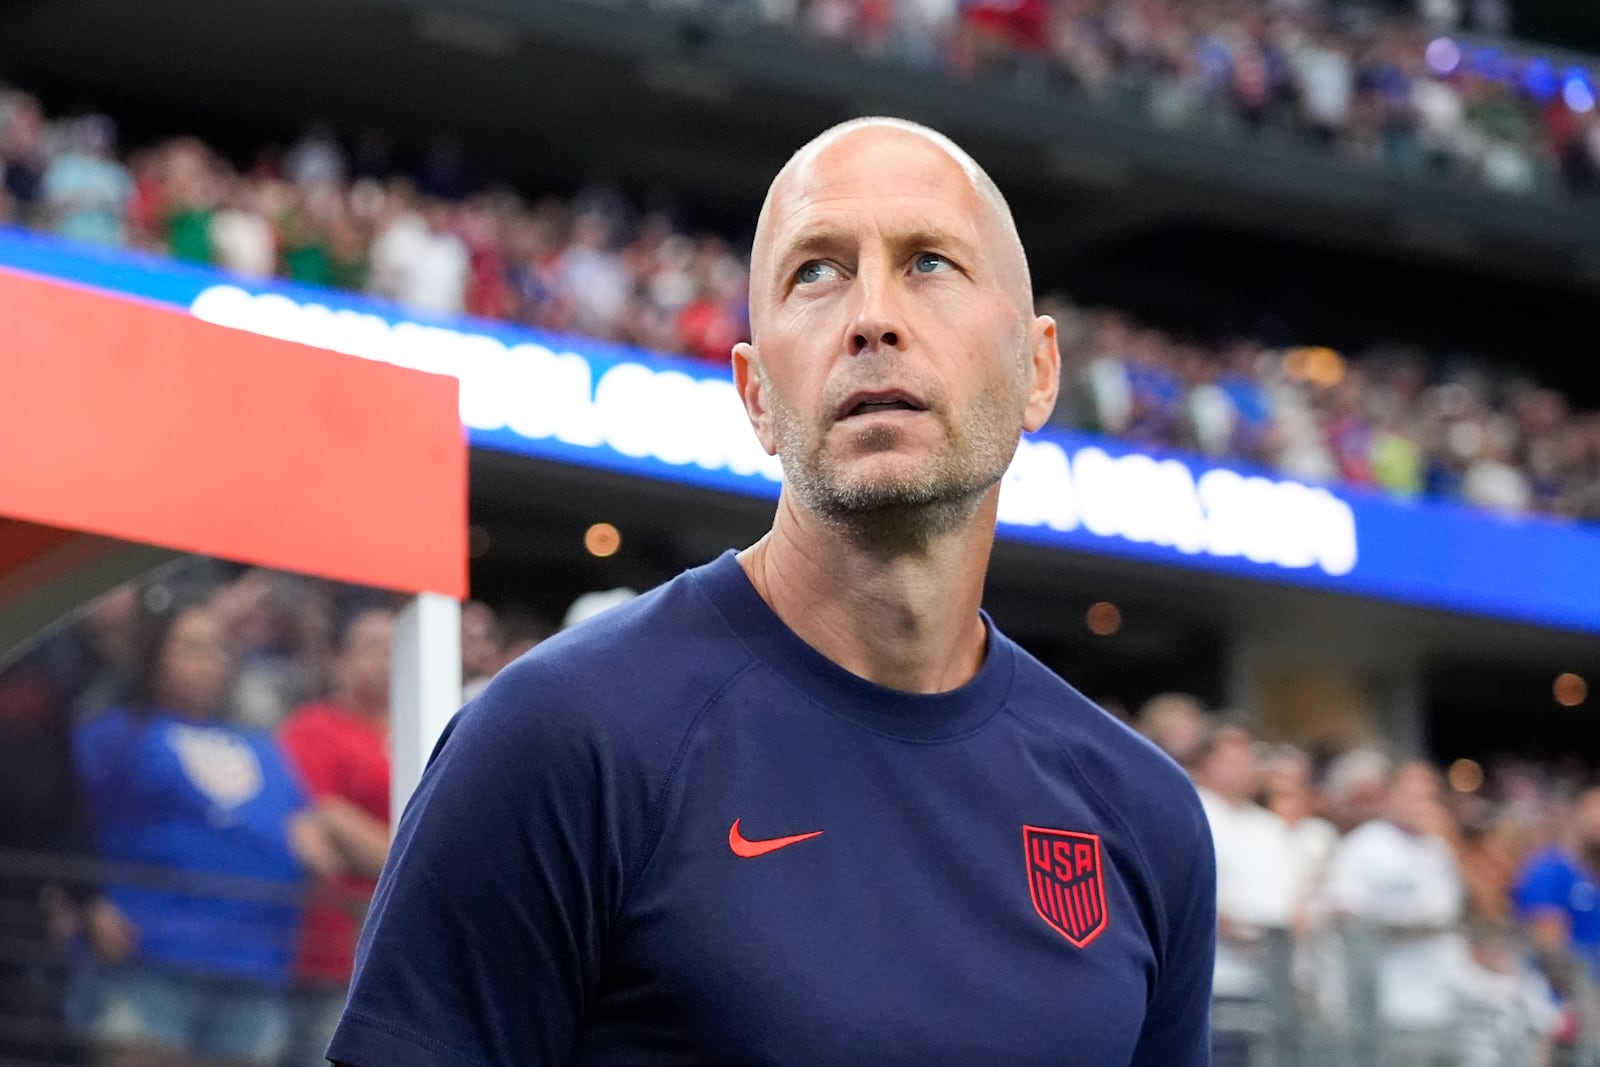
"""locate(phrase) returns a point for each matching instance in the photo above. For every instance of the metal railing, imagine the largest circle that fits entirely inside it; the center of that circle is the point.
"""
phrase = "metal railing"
(1322, 1005)
(1320, 1000)
(40, 971)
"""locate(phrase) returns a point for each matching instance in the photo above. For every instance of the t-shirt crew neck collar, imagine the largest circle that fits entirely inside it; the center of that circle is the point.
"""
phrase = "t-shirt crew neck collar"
(913, 716)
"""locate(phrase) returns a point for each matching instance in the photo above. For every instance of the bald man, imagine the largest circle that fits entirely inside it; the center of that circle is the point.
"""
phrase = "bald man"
(806, 804)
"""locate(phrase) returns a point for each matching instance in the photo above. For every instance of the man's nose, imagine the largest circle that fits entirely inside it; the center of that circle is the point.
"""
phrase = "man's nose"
(880, 318)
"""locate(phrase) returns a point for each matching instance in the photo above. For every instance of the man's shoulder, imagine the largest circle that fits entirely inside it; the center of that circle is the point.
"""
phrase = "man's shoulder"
(1139, 785)
(1119, 758)
(642, 667)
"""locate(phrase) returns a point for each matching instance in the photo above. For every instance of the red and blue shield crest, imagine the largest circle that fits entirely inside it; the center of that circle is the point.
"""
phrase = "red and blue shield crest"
(1066, 879)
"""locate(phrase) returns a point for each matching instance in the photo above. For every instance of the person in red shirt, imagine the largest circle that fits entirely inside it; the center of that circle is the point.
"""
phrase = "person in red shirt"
(340, 747)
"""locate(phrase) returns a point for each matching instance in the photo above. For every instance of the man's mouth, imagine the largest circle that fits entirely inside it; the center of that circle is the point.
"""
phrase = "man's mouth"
(871, 403)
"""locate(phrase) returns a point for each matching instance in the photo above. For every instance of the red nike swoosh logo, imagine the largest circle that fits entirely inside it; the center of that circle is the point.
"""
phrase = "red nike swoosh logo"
(744, 847)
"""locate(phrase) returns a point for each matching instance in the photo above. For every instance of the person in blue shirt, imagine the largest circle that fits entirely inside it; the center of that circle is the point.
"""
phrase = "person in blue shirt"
(805, 804)
(1558, 895)
(205, 838)
(86, 191)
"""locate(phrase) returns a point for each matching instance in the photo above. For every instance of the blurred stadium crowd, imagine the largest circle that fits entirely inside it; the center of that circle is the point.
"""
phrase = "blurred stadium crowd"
(1393, 418)
(195, 782)
(1382, 83)
(195, 776)
(1366, 80)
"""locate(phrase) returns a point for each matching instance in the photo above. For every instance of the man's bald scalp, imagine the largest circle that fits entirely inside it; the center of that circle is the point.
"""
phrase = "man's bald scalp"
(984, 185)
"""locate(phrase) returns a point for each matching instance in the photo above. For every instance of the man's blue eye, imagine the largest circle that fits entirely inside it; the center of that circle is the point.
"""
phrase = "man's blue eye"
(814, 271)
(930, 262)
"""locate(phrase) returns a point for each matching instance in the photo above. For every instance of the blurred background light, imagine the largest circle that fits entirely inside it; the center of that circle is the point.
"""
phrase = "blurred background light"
(602, 540)
(1570, 689)
(1104, 618)
(1466, 776)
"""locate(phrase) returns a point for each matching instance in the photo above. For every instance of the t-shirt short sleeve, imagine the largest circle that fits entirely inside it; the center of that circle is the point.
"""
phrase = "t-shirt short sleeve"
(487, 927)
(1545, 884)
(314, 753)
(1177, 1030)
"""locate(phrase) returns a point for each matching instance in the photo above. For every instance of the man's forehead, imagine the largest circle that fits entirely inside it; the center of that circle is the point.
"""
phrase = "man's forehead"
(894, 178)
(854, 169)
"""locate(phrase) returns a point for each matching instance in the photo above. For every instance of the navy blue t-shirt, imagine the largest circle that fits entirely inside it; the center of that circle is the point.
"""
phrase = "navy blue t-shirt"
(679, 835)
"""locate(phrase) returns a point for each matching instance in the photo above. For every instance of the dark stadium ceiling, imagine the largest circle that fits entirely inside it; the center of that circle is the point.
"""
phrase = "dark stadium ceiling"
(1202, 237)
(1567, 23)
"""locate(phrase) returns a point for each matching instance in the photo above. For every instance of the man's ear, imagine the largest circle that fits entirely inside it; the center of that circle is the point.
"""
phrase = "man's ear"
(1044, 372)
(747, 379)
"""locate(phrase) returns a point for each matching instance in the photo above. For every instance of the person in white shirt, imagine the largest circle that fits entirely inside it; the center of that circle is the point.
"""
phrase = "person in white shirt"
(417, 258)
(1290, 794)
(1258, 883)
(1398, 875)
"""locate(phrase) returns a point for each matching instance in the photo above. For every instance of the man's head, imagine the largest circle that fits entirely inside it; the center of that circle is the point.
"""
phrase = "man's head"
(895, 357)
(1176, 722)
(1287, 780)
(1415, 802)
(1355, 785)
(482, 639)
(1226, 761)
(363, 663)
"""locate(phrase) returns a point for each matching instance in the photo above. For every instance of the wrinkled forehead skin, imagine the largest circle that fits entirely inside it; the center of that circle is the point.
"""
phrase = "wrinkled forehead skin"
(933, 177)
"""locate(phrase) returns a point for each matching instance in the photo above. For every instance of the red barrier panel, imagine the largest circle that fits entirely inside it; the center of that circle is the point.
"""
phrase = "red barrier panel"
(148, 425)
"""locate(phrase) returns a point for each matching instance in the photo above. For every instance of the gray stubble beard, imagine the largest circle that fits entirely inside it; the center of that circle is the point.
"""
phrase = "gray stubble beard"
(917, 508)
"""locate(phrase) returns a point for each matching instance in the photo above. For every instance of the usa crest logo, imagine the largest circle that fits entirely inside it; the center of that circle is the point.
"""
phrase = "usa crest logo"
(1066, 879)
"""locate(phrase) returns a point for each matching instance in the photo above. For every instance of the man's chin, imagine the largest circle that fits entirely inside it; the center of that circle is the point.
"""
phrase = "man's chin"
(899, 492)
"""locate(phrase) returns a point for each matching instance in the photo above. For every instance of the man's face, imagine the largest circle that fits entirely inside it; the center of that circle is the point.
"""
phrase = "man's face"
(896, 361)
(364, 661)
(1231, 769)
(1414, 799)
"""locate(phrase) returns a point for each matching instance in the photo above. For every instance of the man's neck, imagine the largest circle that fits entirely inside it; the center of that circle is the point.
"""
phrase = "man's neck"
(901, 612)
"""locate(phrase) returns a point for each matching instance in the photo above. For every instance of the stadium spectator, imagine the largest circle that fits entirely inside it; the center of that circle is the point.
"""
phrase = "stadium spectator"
(1289, 792)
(417, 258)
(1558, 895)
(340, 747)
(482, 647)
(315, 159)
(278, 625)
(491, 640)
(206, 837)
(86, 191)
(1398, 874)
(242, 236)
(188, 195)
(1259, 882)
(23, 156)
(1492, 853)
(592, 273)
(1175, 723)
(1353, 788)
